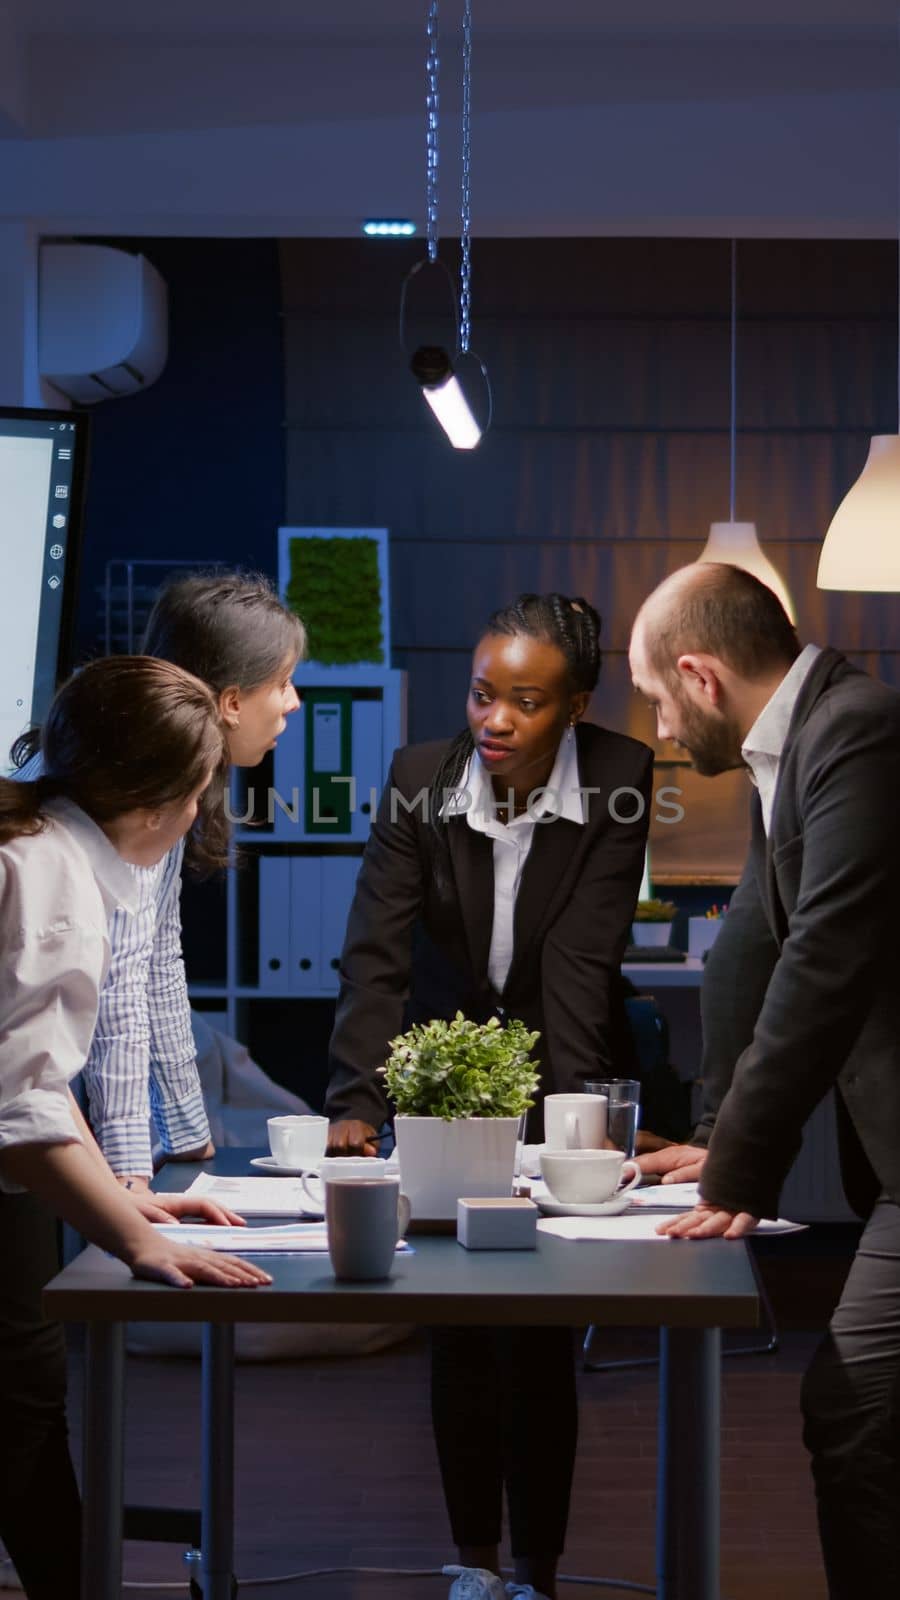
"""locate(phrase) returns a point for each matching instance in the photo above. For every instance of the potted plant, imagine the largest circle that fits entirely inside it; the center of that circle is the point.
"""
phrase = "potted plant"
(652, 924)
(460, 1089)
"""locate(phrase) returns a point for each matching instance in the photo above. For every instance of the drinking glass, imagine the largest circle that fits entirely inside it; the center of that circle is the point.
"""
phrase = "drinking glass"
(518, 1178)
(623, 1111)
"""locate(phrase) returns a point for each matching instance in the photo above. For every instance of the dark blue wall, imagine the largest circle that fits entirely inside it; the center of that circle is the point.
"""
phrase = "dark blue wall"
(193, 467)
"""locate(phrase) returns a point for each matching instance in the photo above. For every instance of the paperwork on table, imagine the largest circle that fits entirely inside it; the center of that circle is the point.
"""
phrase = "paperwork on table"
(256, 1197)
(639, 1225)
(644, 1214)
(295, 1238)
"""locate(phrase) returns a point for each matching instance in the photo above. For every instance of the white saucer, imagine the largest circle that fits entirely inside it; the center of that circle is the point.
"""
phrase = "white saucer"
(269, 1164)
(583, 1208)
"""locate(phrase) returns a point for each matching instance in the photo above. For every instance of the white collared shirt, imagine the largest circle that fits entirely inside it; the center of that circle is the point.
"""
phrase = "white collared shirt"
(763, 745)
(57, 890)
(561, 797)
(143, 1056)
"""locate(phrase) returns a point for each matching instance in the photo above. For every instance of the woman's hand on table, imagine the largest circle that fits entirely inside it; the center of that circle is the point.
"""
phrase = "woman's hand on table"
(172, 1207)
(677, 1163)
(352, 1138)
(709, 1222)
(165, 1262)
(145, 1201)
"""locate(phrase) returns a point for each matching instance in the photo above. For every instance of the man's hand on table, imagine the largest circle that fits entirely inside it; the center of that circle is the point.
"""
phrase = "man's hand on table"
(683, 1163)
(646, 1143)
(709, 1222)
(352, 1138)
(676, 1163)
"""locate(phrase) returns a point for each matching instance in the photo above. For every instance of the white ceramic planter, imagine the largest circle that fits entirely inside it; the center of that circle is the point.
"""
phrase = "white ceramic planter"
(651, 933)
(702, 934)
(442, 1162)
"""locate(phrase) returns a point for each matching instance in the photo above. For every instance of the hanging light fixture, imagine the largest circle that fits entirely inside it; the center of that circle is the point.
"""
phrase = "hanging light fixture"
(737, 543)
(438, 371)
(862, 546)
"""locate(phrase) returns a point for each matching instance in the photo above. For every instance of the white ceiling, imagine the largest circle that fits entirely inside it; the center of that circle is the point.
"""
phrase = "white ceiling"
(590, 116)
(214, 18)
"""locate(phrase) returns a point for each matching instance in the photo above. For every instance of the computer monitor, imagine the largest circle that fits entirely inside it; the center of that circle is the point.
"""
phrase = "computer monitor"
(43, 467)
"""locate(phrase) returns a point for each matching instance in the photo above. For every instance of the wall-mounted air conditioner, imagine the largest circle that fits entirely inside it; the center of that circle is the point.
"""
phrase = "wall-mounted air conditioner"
(102, 321)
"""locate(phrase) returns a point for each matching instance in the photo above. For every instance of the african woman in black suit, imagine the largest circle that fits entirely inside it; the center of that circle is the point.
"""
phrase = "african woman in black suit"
(516, 899)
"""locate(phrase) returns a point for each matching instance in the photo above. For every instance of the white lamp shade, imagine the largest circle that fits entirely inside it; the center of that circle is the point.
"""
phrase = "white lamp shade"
(736, 544)
(862, 545)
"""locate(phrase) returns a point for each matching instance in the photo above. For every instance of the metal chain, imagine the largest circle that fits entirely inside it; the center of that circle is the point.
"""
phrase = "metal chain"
(465, 268)
(432, 127)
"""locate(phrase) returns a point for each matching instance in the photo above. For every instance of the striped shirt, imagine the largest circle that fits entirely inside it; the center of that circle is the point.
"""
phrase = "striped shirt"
(142, 1060)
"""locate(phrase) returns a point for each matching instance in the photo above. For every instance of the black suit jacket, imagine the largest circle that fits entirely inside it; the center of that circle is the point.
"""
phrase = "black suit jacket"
(573, 909)
(802, 989)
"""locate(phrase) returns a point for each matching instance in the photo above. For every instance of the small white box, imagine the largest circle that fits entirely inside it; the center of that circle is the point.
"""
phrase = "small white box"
(500, 1224)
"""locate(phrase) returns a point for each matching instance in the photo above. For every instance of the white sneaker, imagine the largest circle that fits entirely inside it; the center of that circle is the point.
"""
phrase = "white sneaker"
(474, 1583)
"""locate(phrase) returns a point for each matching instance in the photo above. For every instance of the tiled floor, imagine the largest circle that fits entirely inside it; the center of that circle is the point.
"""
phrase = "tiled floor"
(336, 1467)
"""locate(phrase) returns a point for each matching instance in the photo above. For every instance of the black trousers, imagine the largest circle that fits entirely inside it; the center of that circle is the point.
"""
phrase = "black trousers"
(40, 1513)
(851, 1407)
(505, 1414)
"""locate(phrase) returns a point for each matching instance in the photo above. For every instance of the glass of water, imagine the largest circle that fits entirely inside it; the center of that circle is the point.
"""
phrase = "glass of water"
(518, 1177)
(623, 1110)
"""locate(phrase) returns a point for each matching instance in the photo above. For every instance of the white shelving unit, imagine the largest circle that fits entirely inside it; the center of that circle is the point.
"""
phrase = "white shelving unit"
(287, 903)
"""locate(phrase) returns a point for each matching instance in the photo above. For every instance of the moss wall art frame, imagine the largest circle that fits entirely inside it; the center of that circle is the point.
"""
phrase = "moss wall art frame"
(336, 579)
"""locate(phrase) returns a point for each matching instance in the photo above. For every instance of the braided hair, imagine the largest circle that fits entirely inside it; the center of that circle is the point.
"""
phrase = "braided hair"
(573, 626)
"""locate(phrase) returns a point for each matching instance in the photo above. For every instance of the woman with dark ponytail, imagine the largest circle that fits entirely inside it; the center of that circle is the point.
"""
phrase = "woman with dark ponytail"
(132, 751)
(516, 853)
(231, 630)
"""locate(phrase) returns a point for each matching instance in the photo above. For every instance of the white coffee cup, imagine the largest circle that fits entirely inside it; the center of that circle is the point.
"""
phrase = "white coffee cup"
(587, 1177)
(575, 1121)
(297, 1141)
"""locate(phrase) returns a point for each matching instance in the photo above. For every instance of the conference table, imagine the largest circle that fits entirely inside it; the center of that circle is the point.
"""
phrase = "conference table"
(689, 1291)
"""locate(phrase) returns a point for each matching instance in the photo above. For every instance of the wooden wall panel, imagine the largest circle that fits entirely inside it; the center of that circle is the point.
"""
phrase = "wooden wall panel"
(609, 452)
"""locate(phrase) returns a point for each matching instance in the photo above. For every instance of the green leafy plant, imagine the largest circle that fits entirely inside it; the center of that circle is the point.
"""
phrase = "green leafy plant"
(334, 586)
(654, 911)
(462, 1069)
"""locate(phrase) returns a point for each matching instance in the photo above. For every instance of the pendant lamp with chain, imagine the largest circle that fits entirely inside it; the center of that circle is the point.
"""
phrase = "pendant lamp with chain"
(737, 543)
(448, 378)
(862, 546)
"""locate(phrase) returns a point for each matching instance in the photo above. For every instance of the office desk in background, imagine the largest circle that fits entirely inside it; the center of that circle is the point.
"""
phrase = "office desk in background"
(650, 975)
(689, 1292)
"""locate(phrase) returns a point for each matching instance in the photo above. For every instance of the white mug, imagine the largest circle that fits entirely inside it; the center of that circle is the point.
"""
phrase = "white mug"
(575, 1121)
(297, 1141)
(587, 1177)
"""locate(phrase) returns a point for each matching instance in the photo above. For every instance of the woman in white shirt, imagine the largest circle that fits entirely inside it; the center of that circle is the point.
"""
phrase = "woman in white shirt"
(231, 630)
(132, 751)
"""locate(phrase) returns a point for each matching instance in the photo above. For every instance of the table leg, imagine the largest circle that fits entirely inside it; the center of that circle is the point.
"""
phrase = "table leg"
(688, 1515)
(218, 1461)
(103, 1460)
